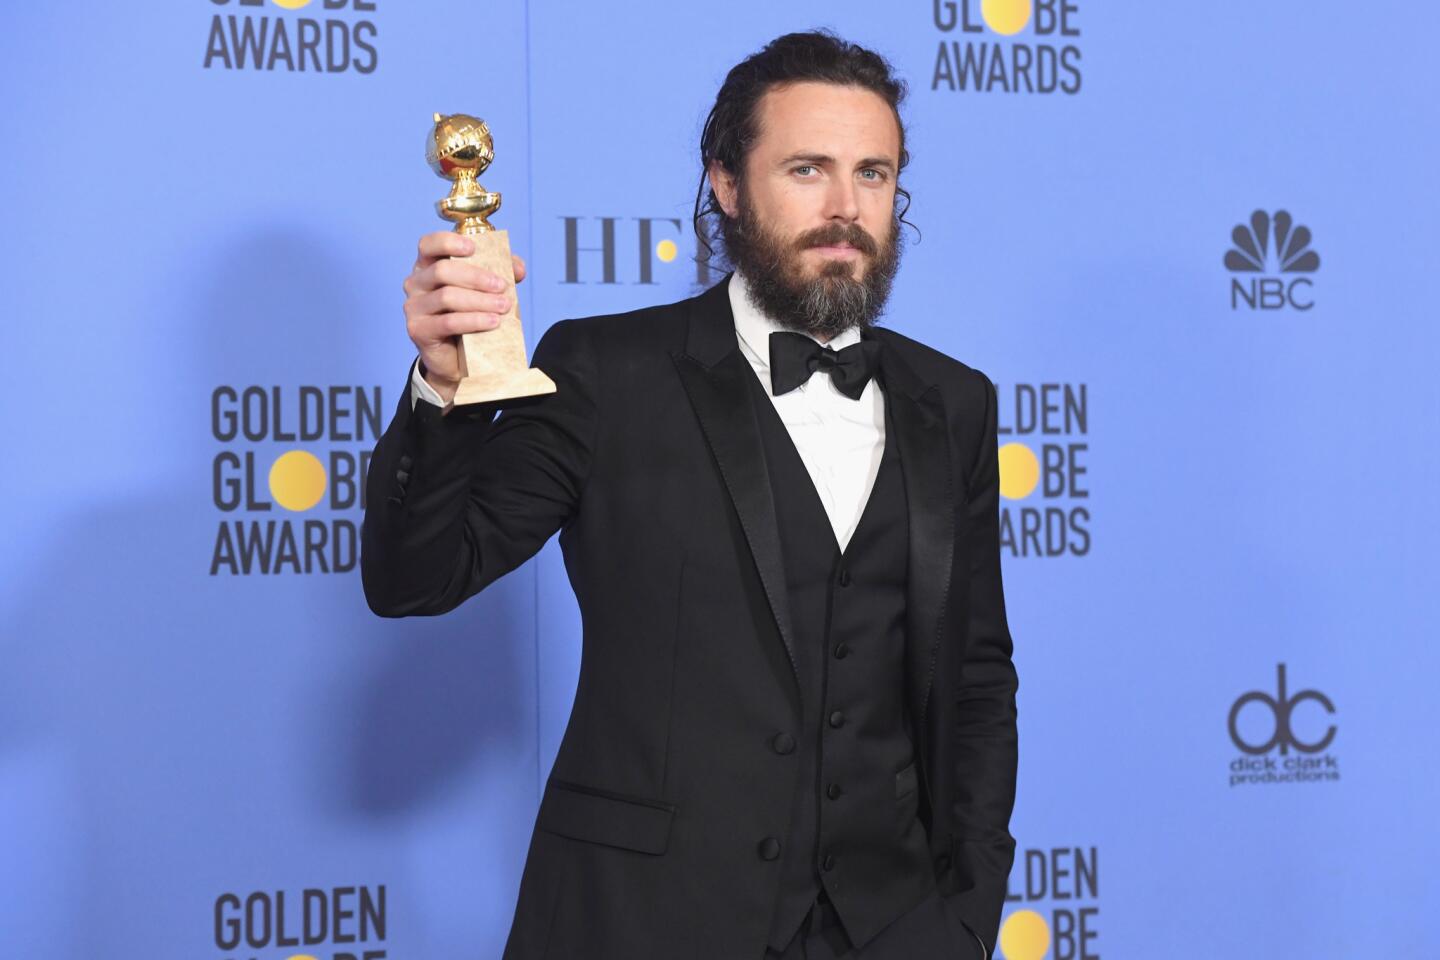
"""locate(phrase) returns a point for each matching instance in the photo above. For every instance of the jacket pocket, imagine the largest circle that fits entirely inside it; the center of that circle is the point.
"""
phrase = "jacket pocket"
(599, 816)
(905, 782)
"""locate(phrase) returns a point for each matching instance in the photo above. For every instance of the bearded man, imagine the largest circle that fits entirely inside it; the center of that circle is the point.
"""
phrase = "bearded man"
(794, 730)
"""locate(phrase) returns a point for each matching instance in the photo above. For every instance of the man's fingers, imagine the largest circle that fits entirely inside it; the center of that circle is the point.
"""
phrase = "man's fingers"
(461, 274)
(453, 273)
(437, 328)
(445, 298)
(443, 243)
(453, 299)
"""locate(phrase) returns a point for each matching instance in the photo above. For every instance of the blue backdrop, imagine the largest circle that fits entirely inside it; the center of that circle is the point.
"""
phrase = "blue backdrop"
(1193, 245)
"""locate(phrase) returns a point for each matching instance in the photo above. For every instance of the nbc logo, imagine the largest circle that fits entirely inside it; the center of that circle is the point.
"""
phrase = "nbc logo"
(1266, 246)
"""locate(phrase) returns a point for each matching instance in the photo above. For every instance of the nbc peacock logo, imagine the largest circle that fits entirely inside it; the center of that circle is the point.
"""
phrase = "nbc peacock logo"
(1271, 262)
(1007, 46)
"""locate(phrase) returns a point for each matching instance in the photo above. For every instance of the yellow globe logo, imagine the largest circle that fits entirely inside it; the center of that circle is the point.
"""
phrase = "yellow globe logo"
(666, 250)
(1006, 16)
(1024, 936)
(1019, 471)
(297, 480)
(292, 4)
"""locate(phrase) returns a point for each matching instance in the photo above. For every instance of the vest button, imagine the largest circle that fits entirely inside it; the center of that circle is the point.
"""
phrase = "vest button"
(942, 862)
(783, 743)
(828, 863)
(837, 719)
(769, 848)
(833, 791)
(841, 651)
(844, 577)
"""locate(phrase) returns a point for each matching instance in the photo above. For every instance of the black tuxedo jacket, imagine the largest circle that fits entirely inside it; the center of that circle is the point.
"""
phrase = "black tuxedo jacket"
(668, 788)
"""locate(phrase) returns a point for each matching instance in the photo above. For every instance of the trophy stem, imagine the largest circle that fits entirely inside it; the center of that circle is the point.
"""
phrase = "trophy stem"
(473, 227)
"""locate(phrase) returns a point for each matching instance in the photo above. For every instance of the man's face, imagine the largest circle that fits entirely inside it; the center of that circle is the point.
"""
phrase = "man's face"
(812, 223)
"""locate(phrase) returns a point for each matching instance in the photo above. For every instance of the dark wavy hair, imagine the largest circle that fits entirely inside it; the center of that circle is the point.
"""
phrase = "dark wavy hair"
(730, 129)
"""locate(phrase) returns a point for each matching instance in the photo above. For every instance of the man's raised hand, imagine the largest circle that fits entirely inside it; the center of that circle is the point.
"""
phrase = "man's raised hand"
(445, 298)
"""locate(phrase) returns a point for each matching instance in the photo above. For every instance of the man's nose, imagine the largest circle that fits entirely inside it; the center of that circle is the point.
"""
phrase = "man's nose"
(841, 201)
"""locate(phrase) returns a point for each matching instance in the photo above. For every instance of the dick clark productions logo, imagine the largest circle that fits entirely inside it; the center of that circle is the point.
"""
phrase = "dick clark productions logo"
(1265, 729)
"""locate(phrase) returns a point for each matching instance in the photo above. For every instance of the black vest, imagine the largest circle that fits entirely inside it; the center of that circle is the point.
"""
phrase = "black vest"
(854, 835)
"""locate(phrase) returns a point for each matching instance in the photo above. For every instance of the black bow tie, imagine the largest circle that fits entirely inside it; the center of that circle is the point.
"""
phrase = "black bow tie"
(794, 357)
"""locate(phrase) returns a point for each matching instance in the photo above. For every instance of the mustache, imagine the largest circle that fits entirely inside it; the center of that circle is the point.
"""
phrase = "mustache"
(833, 234)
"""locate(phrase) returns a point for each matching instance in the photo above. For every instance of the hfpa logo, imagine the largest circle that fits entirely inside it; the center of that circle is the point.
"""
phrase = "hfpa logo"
(1271, 245)
(614, 250)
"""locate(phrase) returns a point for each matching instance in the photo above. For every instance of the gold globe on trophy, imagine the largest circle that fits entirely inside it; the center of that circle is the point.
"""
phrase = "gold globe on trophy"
(492, 362)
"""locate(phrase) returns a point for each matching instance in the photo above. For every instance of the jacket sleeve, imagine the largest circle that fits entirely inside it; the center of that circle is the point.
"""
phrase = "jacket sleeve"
(454, 501)
(985, 741)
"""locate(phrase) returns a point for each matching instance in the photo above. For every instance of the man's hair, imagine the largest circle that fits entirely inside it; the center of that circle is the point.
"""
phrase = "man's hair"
(731, 128)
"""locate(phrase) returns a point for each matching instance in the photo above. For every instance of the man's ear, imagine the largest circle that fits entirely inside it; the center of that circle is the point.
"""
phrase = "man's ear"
(722, 181)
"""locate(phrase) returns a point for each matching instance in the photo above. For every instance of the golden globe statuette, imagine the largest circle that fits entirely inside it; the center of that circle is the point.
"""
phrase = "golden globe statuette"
(492, 362)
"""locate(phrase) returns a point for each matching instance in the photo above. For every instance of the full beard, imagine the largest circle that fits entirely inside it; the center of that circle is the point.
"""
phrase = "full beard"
(828, 303)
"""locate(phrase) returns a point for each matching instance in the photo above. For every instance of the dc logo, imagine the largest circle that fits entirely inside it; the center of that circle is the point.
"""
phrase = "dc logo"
(1283, 708)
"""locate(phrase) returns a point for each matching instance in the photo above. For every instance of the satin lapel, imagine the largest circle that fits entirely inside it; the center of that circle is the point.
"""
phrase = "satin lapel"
(922, 434)
(712, 370)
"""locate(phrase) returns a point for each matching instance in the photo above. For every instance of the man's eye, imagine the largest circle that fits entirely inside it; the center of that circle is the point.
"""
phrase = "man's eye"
(879, 175)
(805, 166)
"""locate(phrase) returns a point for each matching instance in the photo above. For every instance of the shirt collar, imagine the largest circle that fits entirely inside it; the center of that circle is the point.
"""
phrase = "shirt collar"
(754, 328)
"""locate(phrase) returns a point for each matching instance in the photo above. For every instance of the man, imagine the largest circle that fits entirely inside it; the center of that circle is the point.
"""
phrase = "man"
(794, 730)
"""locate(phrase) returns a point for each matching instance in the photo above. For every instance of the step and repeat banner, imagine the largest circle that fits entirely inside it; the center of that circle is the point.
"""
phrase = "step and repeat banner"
(1193, 245)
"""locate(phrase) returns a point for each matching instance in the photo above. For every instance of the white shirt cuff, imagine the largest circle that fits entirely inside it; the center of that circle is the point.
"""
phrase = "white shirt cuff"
(420, 390)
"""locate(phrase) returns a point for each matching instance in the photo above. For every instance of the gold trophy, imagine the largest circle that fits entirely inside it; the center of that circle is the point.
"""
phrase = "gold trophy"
(492, 362)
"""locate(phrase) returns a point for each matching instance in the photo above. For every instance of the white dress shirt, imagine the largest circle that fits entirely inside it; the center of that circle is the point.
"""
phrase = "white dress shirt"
(420, 389)
(839, 440)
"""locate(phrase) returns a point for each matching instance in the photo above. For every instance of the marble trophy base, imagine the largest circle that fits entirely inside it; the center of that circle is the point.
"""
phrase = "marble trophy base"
(493, 365)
